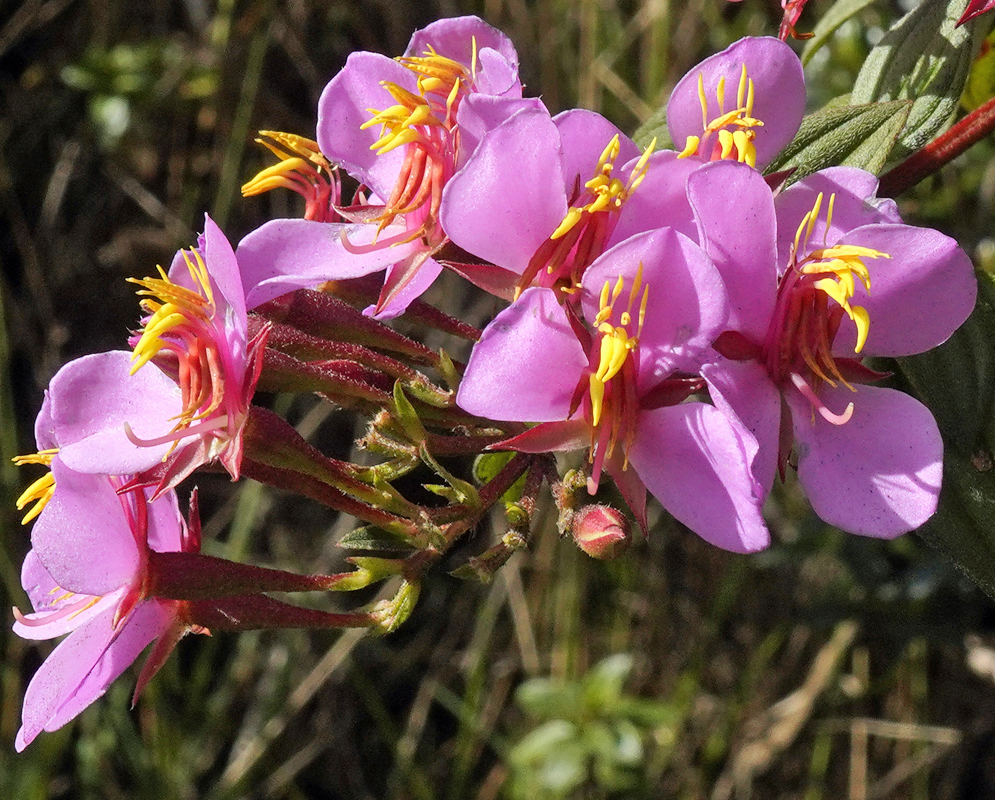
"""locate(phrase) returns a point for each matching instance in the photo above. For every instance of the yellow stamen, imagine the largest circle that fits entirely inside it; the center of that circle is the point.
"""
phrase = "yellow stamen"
(41, 490)
(609, 194)
(843, 265)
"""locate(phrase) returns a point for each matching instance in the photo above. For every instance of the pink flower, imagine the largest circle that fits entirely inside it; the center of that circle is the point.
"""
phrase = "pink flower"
(819, 278)
(87, 575)
(117, 414)
(403, 128)
(652, 304)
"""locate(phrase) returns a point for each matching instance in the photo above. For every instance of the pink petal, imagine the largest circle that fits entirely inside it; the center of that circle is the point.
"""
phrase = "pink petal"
(91, 400)
(287, 254)
(743, 391)
(480, 113)
(223, 268)
(779, 91)
(735, 214)
(166, 525)
(695, 462)
(85, 517)
(509, 197)
(686, 305)
(918, 297)
(526, 365)
(855, 205)
(81, 668)
(660, 200)
(585, 135)
(344, 106)
(877, 475)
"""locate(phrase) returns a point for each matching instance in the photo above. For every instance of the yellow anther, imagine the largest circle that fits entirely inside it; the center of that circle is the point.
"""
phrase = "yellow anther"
(41, 490)
(690, 148)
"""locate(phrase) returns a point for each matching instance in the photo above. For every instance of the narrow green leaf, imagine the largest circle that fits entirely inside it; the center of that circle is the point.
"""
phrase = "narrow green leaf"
(924, 58)
(844, 135)
(841, 11)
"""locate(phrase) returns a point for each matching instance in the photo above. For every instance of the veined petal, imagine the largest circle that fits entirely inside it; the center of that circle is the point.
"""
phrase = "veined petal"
(287, 254)
(81, 668)
(877, 475)
(526, 365)
(694, 461)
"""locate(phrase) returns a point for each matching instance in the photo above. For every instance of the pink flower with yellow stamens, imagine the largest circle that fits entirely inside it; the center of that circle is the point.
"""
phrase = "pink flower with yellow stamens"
(743, 104)
(115, 413)
(820, 277)
(101, 602)
(615, 383)
(403, 128)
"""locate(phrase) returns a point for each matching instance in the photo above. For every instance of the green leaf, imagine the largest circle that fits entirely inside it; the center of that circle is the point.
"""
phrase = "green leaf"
(604, 681)
(845, 135)
(370, 538)
(548, 699)
(924, 58)
(957, 382)
(957, 379)
(841, 11)
(655, 127)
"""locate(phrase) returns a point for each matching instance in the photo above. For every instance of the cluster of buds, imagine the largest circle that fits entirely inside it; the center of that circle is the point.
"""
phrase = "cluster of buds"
(688, 326)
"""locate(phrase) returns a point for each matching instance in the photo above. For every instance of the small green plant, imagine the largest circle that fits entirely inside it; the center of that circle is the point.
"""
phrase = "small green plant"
(590, 740)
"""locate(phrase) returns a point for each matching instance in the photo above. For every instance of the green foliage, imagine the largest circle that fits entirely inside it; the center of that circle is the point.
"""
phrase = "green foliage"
(589, 734)
(841, 11)
(924, 58)
(845, 135)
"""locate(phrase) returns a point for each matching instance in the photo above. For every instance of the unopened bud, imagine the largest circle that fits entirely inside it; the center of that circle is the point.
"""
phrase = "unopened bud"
(601, 531)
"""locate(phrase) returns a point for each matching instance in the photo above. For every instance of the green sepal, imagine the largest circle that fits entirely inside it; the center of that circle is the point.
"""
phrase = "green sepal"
(369, 569)
(486, 466)
(846, 135)
(407, 415)
(925, 58)
(389, 615)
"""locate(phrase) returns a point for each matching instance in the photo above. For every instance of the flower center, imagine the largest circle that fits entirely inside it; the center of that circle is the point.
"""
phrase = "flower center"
(812, 297)
(424, 124)
(41, 491)
(302, 169)
(180, 334)
(611, 389)
(580, 238)
(732, 131)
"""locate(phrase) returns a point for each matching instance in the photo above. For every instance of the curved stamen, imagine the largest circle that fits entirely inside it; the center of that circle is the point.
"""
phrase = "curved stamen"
(818, 405)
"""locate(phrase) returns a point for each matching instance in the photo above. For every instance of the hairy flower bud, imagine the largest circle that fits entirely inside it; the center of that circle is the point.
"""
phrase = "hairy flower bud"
(601, 531)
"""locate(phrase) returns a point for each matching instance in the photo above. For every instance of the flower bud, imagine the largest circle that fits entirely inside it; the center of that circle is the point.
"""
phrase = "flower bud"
(601, 531)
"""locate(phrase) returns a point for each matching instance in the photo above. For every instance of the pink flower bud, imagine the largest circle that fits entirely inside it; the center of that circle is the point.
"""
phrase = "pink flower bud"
(601, 531)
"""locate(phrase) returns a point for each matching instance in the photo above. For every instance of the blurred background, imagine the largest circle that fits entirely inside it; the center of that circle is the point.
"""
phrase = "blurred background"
(828, 666)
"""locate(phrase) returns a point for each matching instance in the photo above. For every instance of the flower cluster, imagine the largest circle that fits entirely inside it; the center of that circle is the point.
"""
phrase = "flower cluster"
(688, 325)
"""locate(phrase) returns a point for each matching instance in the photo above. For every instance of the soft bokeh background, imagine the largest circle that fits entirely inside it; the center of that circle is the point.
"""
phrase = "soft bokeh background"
(826, 667)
